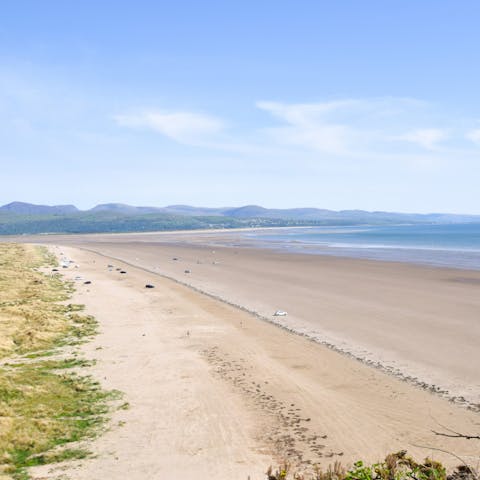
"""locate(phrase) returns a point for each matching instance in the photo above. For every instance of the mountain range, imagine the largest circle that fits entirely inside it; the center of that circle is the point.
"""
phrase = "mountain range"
(19, 218)
(244, 212)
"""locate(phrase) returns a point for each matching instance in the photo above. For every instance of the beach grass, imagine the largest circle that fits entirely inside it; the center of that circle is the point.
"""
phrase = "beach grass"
(47, 404)
(30, 316)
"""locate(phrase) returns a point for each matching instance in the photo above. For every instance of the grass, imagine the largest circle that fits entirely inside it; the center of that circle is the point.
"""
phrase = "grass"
(46, 405)
(31, 317)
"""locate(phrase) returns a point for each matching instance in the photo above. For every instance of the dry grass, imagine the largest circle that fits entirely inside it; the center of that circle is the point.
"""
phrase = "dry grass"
(44, 404)
(30, 318)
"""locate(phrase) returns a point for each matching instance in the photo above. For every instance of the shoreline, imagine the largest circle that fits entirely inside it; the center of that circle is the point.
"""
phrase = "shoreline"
(175, 352)
(412, 321)
(378, 365)
(229, 238)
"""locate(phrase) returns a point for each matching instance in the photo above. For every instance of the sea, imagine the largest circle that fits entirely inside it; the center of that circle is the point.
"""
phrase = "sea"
(445, 245)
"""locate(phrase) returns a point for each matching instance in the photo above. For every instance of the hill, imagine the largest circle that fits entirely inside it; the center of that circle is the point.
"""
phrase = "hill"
(25, 218)
(22, 208)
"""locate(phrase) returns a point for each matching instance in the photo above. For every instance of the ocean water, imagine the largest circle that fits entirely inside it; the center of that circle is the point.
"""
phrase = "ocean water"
(452, 245)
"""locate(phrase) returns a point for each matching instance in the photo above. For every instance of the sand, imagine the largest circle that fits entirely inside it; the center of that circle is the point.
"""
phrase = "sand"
(419, 322)
(216, 392)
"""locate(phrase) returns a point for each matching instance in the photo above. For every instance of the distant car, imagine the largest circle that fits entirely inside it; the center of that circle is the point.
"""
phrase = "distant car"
(280, 313)
(187, 271)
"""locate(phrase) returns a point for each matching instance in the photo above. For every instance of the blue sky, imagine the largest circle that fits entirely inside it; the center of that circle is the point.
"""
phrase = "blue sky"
(346, 104)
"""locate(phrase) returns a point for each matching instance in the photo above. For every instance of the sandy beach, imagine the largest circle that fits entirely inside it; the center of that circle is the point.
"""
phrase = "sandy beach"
(218, 392)
(419, 322)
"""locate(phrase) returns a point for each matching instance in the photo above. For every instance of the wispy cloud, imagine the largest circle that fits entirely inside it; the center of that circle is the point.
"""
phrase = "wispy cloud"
(359, 128)
(351, 126)
(307, 125)
(428, 138)
(376, 127)
(473, 135)
(195, 129)
(184, 127)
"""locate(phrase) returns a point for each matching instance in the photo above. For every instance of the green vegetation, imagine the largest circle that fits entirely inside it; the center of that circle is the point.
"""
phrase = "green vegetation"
(108, 222)
(45, 403)
(396, 466)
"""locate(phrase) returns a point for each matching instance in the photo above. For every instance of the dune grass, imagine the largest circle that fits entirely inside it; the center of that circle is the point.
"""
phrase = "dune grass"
(30, 317)
(45, 403)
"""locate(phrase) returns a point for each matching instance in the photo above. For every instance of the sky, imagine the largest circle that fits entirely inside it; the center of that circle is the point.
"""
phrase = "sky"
(333, 104)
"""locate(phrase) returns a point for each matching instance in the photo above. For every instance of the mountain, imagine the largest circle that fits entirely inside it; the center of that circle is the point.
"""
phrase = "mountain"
(248, 211)
(251, 215)
(255, 211)
(195, 211)
(22, 208)
(123, 209)
(185, 210)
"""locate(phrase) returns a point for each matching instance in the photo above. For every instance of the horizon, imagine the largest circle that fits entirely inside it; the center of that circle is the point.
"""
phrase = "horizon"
(279, 105)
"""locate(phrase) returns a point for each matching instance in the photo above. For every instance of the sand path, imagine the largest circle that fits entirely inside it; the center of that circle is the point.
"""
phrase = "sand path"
(216, 393)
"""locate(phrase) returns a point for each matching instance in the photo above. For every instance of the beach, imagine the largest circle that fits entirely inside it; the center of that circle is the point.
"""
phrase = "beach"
(214, 387)
(418, 322)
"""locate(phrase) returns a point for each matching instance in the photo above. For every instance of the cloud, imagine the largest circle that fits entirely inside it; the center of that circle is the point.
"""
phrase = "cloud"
(308, 126)
(474, 135)
(305, 113)
(365, 127)
(428, 138)
(194, 129)
(352, 127)
(384, 128)
(184, 127)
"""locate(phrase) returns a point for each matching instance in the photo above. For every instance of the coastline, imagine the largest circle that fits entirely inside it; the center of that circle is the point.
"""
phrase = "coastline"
(328, 240)
(282, 396)
(334, 345)
(414, 322)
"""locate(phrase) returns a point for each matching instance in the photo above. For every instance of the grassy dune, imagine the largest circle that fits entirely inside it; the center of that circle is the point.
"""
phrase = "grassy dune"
(46, 403)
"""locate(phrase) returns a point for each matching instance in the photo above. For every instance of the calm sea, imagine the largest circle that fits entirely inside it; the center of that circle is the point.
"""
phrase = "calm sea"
(456, 245)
